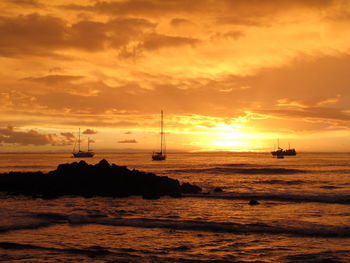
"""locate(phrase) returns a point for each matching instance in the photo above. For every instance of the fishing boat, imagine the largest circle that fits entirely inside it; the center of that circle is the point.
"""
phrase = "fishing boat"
(159, 156)
(289, 151)
(80, 153)
(279, 152)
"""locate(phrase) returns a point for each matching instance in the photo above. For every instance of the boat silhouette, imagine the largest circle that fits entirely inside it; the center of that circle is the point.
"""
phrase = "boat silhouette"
(280, 152)
(80, 153)
(289, 151)
(161, 155)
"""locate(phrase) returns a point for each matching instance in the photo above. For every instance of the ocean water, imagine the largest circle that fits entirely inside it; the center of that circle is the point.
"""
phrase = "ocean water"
(303, 215)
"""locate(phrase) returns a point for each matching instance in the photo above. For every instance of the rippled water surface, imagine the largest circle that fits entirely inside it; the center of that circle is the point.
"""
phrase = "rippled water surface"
(303, 215)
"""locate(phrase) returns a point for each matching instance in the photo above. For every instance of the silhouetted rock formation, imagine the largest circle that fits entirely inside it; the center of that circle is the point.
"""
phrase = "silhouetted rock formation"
(88, 180)
(188, 188)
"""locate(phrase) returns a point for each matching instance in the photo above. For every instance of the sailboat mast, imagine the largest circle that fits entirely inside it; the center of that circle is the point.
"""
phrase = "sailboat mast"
(161, 132)
(79, 141)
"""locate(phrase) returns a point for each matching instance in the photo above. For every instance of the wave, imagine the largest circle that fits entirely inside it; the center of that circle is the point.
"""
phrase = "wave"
(325, 198)
(331, 187)
(90, 251)
(282, 182)
(209, 226)
(27, 225)
(34, 221)
(282, 227)
(236, 170)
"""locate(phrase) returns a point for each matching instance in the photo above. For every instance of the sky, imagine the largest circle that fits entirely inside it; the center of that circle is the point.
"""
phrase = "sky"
(232, 75)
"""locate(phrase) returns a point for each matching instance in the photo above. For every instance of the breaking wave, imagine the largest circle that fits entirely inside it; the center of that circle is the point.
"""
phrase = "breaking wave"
(209, 226)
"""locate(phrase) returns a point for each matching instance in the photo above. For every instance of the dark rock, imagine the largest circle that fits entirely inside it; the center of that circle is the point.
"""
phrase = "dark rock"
(218, 190)
(87, 180)
(187, 188)
(103, 164)
(176, 195)
(253, 202)
(150, 196)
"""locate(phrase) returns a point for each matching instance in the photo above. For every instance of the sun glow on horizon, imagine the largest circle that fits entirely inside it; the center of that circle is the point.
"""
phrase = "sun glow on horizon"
(231, 137)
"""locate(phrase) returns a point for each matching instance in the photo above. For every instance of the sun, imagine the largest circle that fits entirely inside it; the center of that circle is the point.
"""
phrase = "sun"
(225, 137)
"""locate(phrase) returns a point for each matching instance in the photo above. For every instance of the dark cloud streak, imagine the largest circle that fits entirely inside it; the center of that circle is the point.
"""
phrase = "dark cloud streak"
(128, 141)
(32, 137)
(89, 131)
(37, 34)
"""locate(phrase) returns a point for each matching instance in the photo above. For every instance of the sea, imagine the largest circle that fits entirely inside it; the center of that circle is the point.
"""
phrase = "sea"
(302, 215)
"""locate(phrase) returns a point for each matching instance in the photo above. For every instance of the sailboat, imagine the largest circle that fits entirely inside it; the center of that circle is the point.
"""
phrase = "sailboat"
(289, 151)
(159, 156)
(82, 154)
(279, 153)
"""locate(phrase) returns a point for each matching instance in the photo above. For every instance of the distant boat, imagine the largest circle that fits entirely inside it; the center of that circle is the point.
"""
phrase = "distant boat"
(290, 152)
(280, 153)
(80, 153)
(159, 156)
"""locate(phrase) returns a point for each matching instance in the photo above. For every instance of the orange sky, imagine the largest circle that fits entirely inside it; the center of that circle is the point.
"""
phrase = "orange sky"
(229, 74)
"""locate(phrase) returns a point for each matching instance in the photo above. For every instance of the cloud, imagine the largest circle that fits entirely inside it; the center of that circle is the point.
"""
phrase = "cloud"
(128, 141)
(140, 7)
(128, 132)
(32, 137)
(206, 79)
(54, 79)
(161, 7)
(310, 88)
(310, 112)
(236, 34)
(65, 83)
(89, 131)
(25, 3)
(36, 34)
(179, 22)
(69, 136)
(23, 34)
(157, 41)
(232, 34)
(133, 25)
(238, 20)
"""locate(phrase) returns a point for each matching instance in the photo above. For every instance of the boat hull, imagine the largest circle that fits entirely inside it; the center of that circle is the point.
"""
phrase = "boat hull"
(290, 152)
(158, 157)
(83, 154)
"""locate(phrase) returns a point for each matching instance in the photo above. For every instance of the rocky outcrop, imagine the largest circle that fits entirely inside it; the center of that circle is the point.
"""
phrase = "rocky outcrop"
(82, 179)
(187, 188)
